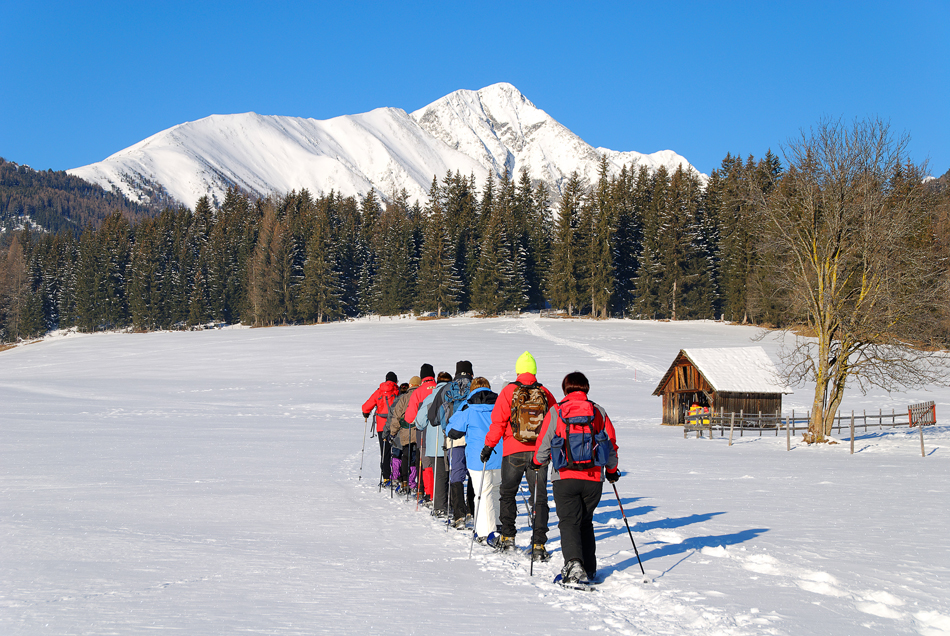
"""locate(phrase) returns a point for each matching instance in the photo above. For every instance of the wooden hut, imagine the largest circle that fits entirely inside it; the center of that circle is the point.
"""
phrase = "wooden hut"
(741, 379)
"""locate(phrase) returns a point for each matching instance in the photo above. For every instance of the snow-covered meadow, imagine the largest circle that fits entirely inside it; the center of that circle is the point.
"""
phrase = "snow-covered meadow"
(207, 483)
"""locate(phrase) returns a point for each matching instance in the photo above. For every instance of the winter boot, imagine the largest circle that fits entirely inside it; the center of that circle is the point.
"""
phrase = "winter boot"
(538, 553)
(501, 543)
(573, 572)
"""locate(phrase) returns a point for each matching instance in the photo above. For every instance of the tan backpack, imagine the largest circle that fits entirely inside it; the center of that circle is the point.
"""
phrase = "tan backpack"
(529, 404)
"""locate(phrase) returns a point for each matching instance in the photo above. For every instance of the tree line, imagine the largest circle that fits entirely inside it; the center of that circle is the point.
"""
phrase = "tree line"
(653, 244)
(58, 202)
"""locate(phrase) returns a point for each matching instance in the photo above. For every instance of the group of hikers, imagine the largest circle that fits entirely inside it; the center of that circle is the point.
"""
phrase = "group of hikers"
(443, 431)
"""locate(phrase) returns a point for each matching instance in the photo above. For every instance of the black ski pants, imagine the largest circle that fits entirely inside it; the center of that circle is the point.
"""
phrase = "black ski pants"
(576, 500)
(514, 467)
(440, 485)
(385, 455)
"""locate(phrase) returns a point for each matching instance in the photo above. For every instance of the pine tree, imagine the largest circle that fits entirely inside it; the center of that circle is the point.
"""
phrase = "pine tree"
(598, 256)
(651, 196)
(321, 293)
(563, 279)
(628, 239)
(495, 288)
(14, 291)
(439, 285)
(263, 278)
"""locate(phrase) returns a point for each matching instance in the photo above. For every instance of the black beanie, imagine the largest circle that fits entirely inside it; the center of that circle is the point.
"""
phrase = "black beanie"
(391, 377)
(426, 371)
(463, 367)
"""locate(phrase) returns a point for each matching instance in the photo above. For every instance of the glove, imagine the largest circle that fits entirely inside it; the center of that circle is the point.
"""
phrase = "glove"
(365, 416)
(536, 466)
(486, 454)
(613, 477)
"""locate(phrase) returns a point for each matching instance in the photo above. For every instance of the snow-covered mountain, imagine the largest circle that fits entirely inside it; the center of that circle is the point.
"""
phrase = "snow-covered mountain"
(473, 132)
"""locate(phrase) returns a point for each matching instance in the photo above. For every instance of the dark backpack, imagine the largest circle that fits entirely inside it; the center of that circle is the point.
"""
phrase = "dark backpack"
(453, 394)
(529, 404)
(578, 444)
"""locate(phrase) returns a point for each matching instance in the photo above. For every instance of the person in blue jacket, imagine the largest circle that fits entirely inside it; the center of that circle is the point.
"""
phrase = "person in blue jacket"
(472, 420)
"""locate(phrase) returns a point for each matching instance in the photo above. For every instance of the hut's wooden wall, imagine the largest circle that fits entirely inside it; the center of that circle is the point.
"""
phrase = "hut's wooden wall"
(748, 402)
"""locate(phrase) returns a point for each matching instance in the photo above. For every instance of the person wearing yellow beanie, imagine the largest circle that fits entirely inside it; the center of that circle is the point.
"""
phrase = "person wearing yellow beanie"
(518, 448)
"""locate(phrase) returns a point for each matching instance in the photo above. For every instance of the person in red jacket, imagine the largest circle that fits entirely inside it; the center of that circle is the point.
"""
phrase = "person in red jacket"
(517, 455)
(427, 373)
(577, 489)
(381, 399)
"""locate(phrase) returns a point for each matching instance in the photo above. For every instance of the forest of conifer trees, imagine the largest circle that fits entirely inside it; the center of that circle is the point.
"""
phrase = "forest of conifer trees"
(640, 244)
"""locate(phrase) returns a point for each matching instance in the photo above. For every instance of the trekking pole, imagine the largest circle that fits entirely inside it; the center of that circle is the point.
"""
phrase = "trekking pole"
(630, 532)
(478, 504)
(365, 423)
(534, 516)
(448, 494)
(419, 488)
(408, 468)
(382, 463)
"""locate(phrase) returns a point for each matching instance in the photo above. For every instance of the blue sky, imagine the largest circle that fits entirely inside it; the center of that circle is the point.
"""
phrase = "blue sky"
(80, 81)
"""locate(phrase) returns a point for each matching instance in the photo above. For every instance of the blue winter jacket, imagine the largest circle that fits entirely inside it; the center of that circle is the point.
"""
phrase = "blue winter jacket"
(472, 419)
(435, 438)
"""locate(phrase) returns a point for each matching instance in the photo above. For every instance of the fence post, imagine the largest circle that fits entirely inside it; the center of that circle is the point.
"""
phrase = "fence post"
(760, 423)
(921, 427)
(732, 425)
(788, 434)
(852, 432)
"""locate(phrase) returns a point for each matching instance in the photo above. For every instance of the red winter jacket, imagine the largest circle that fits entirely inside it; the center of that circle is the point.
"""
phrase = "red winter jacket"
(381, 399)
(573, 404)
(501, 418)
(417, 397)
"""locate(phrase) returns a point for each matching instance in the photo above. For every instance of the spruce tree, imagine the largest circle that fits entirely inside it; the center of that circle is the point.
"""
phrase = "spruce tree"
(563, 278)
(439, 286)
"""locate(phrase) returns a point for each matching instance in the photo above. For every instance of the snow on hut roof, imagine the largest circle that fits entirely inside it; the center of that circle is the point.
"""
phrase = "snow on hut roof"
(738, 370)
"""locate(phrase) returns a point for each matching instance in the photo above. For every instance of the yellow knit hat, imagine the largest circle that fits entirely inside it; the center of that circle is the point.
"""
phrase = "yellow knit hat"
(526, 364)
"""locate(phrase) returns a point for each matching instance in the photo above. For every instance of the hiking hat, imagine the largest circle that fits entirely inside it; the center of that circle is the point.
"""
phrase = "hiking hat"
(526, 364)
(415, 381)
(391, 377)
(463, 367)
(427, 371)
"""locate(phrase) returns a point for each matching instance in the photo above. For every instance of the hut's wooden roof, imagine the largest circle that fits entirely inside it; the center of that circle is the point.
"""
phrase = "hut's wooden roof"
(732, 370)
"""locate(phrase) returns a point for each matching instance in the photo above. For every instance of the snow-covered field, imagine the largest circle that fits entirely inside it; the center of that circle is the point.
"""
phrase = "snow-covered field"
(207, 483)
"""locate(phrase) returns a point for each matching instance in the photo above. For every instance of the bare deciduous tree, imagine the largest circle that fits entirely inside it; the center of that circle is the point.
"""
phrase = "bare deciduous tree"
(850, 228)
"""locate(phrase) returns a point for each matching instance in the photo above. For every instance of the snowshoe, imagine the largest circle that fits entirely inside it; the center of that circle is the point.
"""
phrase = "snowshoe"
(590, 586)
(500, 542)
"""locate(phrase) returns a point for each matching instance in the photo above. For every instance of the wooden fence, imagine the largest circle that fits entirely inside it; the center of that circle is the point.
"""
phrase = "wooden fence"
(920, 415)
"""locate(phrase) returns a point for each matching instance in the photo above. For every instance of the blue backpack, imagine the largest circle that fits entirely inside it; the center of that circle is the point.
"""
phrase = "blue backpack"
(577, 443)
(453, 394)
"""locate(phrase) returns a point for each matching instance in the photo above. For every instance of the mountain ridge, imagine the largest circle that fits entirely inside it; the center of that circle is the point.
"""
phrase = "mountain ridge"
(481, 132)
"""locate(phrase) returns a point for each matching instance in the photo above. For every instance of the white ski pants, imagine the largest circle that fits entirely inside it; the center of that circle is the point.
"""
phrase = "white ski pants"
(487, 486)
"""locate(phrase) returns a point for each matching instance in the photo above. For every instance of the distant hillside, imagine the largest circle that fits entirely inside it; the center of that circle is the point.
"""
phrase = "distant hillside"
(56, 201)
